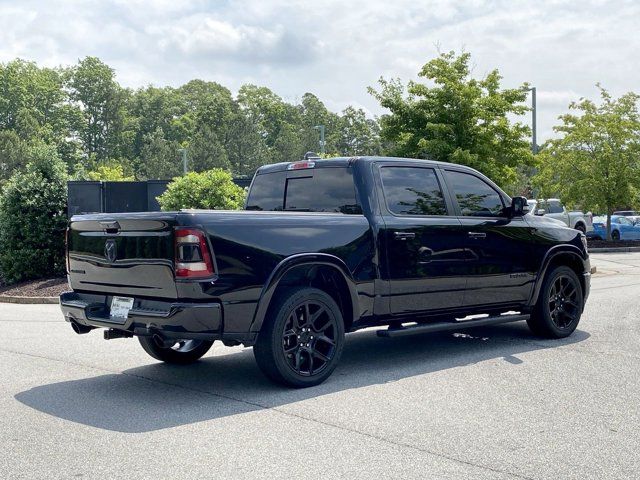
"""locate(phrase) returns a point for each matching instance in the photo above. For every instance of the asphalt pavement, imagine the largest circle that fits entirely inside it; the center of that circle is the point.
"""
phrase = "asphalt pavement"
(491, 402)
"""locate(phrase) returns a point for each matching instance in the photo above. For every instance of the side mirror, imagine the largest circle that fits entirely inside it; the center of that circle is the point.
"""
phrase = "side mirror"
(519, 206)
(540, 212)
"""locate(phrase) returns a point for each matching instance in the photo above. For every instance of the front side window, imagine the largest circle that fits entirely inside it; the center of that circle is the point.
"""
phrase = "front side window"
(412, 191)
(555, 207)
(475, 197)
(623, 221)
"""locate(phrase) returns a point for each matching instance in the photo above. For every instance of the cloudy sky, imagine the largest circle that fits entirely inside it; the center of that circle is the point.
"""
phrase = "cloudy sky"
(336, 49)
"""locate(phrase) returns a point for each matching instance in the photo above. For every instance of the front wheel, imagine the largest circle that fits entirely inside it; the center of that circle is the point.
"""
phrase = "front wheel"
(180, 352)
(615, 235)
(302, 338)
(581, 228)
(559, 306)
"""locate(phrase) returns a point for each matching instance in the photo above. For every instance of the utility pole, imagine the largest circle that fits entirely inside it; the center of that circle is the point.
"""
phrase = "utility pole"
(183, 151)
(534, 139)
(321, 128)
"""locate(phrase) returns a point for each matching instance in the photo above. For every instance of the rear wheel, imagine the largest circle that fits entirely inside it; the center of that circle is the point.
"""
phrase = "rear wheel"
(179, 352)
(302, 338)
(559, 306)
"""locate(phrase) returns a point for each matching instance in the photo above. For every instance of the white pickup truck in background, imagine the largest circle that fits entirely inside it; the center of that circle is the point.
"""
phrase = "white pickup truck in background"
(553, 208)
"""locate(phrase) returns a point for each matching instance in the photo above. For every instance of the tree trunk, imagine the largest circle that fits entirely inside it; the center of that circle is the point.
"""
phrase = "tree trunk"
(609, 212)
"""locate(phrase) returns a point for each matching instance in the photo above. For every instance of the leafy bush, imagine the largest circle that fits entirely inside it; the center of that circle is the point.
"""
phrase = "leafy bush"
(213, 189)
(33, 218)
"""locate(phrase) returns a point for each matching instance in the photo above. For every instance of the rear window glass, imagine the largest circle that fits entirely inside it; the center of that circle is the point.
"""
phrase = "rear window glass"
(314, 190)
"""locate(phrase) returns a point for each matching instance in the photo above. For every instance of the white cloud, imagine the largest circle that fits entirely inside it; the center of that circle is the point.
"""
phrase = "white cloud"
(336, 49)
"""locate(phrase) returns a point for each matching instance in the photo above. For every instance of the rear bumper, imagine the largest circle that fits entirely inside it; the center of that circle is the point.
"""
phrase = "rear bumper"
(148, 317)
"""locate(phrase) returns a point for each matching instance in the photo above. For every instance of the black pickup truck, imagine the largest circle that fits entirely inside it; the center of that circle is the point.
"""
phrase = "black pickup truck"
(325, 247)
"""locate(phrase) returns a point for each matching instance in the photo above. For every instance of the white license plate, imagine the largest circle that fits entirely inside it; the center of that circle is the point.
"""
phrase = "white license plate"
(120, 307)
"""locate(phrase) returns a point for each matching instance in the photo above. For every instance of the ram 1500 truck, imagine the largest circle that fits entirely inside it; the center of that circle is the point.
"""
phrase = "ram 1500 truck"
(323, 248)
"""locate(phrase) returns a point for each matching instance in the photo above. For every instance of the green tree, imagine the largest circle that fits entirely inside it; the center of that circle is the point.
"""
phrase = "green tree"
(358, 134)
(246, 149)
(33, 218)
(110, 171)
(13, 154)
(456, 118)
(105, 129)
(278, 123)
(206, 151)
(313, 112)
(213, 189)
(596, 160)
(159, 157)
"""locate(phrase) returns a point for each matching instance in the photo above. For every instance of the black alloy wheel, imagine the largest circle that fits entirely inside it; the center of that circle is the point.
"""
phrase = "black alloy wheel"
(301, 339)
(309, 338)
(559, 305)
(563, 301)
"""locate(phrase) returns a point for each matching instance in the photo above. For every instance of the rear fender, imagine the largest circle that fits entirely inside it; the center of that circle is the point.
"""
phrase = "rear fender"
(298, 260)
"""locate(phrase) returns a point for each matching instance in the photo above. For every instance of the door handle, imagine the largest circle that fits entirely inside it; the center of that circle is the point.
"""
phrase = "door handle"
(403, 235)
(477, 235)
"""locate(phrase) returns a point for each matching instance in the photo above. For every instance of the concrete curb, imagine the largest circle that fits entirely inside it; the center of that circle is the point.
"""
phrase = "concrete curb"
(614, 250)
(29, 300)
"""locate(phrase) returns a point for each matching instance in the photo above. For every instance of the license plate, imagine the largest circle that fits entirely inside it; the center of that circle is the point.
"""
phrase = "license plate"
(120, 307)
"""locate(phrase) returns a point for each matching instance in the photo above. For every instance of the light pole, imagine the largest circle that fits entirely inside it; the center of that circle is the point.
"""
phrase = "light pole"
(534, 140)
(321, 128)
(183, 151)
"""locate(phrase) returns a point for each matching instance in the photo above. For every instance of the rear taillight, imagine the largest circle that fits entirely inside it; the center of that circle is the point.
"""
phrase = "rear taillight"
(193, 258)
(66, 249)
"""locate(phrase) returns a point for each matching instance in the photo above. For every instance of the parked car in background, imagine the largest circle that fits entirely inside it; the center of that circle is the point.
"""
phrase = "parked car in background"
(621, 228)
(632, 215)
(553, 208)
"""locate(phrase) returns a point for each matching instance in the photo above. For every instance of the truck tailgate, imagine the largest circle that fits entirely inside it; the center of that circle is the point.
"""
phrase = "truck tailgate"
(123, 254)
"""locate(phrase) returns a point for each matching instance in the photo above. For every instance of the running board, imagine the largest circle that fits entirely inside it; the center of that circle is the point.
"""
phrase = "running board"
(444, 326)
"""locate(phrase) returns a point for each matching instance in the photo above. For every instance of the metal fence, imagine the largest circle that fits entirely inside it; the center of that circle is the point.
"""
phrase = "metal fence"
(116, 197)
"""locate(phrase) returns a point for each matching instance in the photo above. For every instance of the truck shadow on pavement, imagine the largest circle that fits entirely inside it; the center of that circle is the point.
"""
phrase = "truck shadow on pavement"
(159, 396)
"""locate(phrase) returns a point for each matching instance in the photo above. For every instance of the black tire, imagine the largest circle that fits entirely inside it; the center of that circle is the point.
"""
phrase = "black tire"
(581, 227)
(560, 303)
(615, 235)
(301, 339)
(182, 352)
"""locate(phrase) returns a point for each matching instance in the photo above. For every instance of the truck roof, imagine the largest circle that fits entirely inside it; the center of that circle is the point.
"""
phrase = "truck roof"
(345, 162)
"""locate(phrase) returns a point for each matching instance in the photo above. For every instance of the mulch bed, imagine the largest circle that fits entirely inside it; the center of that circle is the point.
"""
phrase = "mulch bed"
(594, 243)
(48, 287)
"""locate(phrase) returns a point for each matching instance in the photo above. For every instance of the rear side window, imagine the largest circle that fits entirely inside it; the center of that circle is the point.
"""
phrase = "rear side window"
(475, 197)
(412, 191)
(314, 190)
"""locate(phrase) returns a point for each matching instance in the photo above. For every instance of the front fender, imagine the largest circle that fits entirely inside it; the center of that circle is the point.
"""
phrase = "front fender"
(294, 261)
(552, 254)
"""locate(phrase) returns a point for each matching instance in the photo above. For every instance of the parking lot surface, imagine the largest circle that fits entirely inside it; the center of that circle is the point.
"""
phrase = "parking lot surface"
(491, 402)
